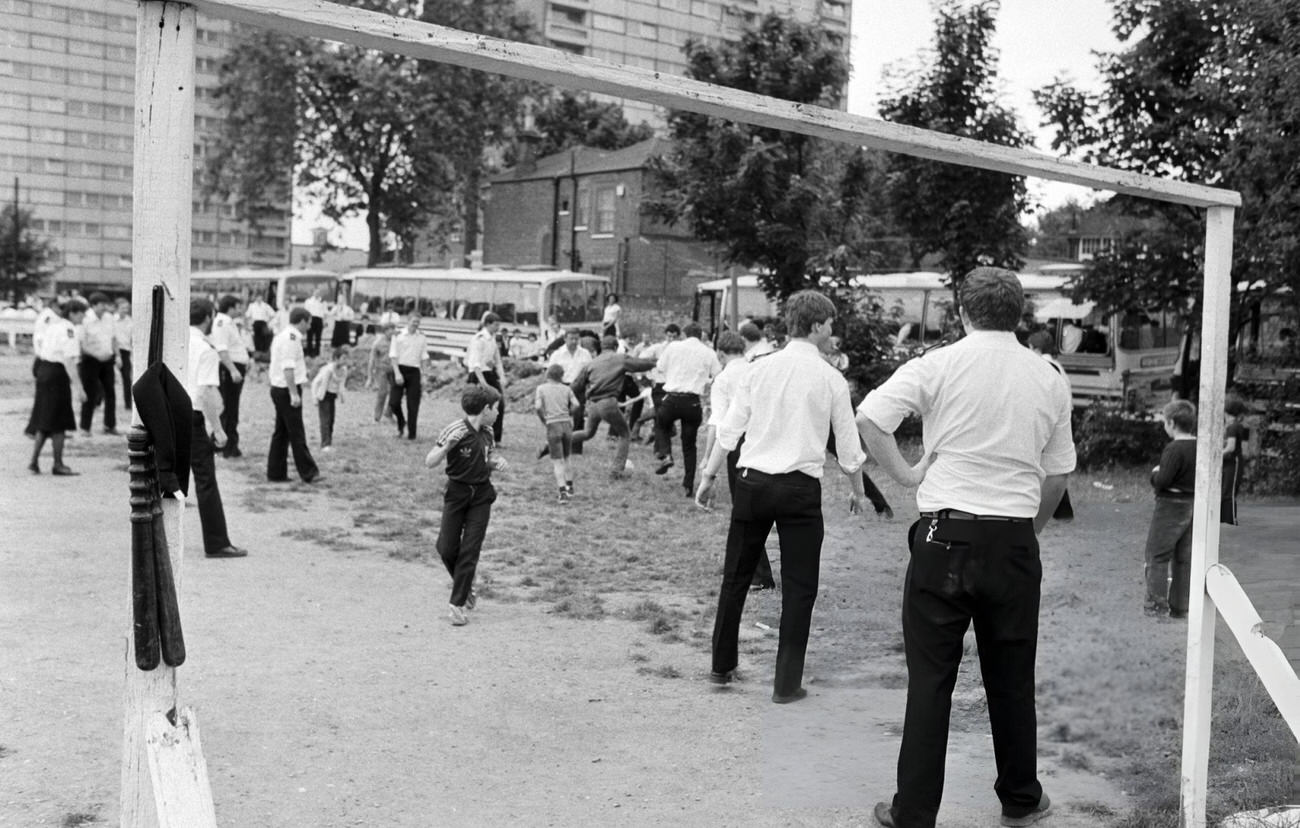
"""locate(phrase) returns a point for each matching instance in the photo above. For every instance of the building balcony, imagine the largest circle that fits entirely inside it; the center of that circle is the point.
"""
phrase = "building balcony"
(567, 33)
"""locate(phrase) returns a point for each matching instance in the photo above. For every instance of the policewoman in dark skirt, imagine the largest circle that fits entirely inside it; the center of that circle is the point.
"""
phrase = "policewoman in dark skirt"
(57, 352)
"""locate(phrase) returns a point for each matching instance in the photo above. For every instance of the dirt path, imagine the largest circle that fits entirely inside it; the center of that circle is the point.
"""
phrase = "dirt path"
(331, 691)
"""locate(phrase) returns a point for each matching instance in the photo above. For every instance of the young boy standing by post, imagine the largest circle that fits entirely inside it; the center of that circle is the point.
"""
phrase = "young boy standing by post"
(555, 402)
(1169, 540)
(468, 448)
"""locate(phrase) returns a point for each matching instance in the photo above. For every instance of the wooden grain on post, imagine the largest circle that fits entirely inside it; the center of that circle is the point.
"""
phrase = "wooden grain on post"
(160, 255)
(426, 41)
(1216, 296)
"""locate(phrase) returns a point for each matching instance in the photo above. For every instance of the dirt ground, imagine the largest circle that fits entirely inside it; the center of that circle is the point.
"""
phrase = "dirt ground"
(331, 691)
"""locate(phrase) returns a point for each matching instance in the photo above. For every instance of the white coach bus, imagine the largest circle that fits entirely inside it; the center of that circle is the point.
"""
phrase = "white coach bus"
(452, 301)
(282, 288)
(1126, 358)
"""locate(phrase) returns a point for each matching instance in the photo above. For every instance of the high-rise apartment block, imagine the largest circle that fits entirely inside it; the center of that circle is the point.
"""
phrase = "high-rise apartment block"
(651, 33)
(67, 110)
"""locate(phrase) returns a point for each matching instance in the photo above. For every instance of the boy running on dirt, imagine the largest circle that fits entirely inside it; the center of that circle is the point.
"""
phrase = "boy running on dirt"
(468, 448)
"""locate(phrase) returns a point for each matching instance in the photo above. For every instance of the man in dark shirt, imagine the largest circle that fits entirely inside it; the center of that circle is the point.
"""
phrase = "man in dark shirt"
(600, 381)
(1169, 540)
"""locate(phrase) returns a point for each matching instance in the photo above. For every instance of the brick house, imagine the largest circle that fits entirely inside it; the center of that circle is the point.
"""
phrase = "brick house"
(581, 209)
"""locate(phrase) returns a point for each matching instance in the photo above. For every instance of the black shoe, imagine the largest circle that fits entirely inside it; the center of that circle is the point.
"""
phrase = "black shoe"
(543, 451)
(271, 479)
(884, 814)
(1043, 809)
(227, 552)
(885, 512)
(1173, 613)
(722, 678)
(762, 586)
(112, 432)
(568, 485)
(33, 467)
(664, 465)
(233, 454)
(315, 478)
(690, 493)
(793, 697)
(64, 471)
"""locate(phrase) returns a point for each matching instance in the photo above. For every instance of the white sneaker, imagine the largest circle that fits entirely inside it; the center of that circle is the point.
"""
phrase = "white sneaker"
(457, 616)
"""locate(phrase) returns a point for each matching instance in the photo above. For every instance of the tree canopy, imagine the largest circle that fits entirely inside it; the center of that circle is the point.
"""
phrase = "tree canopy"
(1208, 91)
(967, 216)
(757, 193)
(571, 119)
(24, 256)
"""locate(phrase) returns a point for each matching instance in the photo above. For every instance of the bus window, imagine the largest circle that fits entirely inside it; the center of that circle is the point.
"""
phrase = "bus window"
(436, 296)
(1141, 331)
(297, 289)
(515, 303)
(567, 303)
(595, 304)
(365, 301)
(473, 299)
(401, 296)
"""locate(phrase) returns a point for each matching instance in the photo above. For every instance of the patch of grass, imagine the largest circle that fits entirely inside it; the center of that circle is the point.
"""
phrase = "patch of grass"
(638, 657)
(666, 671)
(327, 538)
(644, 610)
(75, 820)
(583, 607)
(4, 751)
(659, 625)
(1076, 760)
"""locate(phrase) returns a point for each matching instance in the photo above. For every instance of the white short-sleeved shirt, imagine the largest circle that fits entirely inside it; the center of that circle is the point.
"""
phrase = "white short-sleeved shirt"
(58, 341)
(227, 337)
(259, 311)
(995, 416)
(409, 348)
(286, 352)
(97, 335)
(482, 354)
(122, 332)
(571, 362)
(315, 306)
(201, 367)
(723, 390)
(687, 366)
(40, 325)
(786, 407)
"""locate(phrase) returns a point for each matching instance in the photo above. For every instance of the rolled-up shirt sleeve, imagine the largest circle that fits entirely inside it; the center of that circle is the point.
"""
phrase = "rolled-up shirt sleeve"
(737, 417)
(848, 445)
(903, 394)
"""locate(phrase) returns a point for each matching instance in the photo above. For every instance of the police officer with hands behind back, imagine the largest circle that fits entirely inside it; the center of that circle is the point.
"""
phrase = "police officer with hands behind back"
(288, 375)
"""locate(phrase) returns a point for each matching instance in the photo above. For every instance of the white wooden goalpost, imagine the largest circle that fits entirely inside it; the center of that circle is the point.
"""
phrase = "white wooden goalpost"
(163, 183)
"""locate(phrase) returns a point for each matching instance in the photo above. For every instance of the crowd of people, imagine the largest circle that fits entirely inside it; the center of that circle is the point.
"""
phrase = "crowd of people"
(775, 405)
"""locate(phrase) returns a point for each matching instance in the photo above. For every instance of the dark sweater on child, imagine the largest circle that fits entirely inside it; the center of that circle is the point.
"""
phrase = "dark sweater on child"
(1176, 477)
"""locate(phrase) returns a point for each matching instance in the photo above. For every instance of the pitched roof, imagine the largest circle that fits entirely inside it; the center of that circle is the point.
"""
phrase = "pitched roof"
(586, 161)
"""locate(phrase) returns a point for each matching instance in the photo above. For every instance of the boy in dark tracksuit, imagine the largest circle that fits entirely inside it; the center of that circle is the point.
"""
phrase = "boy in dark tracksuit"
(468, 448)
(1169, 540)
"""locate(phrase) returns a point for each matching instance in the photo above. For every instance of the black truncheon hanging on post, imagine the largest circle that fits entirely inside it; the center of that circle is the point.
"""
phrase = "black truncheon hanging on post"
(164, 409)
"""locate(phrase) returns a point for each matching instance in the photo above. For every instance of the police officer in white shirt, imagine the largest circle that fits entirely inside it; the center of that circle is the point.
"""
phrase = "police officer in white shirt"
(228, 339)
(315, 305)
(288, 374)
(260, 313)
(122, 333)
(483, 360)
(997, 455)
(408, 353)
(58, 350)
(98, 366)
(201, 381)
(786, 405)
(687, 367)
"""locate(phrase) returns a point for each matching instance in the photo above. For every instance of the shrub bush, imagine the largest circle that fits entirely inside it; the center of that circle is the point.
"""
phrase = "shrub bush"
(1107, 437)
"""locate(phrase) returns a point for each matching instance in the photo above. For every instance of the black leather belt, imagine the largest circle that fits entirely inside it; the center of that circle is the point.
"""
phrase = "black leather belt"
(957, 514)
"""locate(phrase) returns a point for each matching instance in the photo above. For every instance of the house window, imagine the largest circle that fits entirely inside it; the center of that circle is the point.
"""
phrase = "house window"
(580, 209)
(604, 210)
